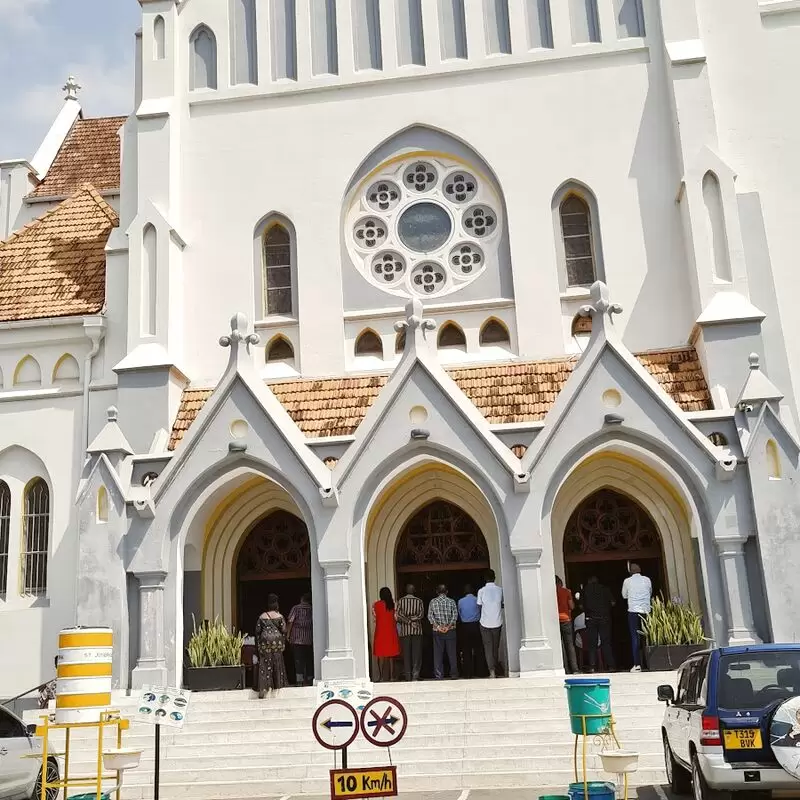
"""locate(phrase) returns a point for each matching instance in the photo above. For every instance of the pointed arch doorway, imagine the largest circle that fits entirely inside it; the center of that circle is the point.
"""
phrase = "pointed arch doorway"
(605, 533)
(440, 544)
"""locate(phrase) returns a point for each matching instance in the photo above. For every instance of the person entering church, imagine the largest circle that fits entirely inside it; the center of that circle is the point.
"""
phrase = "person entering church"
(597, 603)
(469, 632)
(386, 645)
(410, 611)
(300, 635)
(490, 602)
(271, 642)
(566, 607)
(638, 591)
(443, 616)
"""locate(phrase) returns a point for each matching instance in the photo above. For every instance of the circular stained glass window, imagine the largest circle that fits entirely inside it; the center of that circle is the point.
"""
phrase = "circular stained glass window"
(424, 227)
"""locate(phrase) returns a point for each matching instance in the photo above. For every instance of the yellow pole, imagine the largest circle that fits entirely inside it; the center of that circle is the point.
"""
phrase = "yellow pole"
(99, 791)
(44, 762)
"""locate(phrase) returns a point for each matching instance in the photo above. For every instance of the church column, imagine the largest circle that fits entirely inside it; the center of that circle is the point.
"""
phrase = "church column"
(741, 627)
(151, 666)
(338, 661)
(535, 652)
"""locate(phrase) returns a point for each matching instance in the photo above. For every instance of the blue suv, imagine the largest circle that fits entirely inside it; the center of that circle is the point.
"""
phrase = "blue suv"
(733, 725)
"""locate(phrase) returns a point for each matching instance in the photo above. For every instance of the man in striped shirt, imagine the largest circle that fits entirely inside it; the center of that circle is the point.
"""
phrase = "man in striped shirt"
(443, 615)
(300, 635)
(409, 613)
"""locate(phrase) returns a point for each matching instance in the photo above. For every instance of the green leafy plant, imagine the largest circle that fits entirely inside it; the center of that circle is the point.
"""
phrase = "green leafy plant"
(213, 645)
(671, 622)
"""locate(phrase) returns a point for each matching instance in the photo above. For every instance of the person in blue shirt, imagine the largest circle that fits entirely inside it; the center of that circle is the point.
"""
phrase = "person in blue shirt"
(469, 632)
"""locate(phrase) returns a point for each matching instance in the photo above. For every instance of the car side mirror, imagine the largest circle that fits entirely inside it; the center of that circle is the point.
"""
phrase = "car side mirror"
(666, 694)
(30, 730)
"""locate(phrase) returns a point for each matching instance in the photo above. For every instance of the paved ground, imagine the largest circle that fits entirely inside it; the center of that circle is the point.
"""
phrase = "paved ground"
(643, 793)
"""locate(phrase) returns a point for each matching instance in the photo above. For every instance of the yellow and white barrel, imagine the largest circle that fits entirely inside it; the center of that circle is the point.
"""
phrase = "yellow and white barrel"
(83, 688)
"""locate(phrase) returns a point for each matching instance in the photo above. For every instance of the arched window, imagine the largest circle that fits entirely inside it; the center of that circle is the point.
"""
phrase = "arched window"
(494, 332)
(159, 39)
(28, 373)
(581, 326)
(36, 538)
(66, 371)
(203, 59)
(576, 235)
(452, 336)
(277, 276)
(280, 349)
(773, 460)
(149, 280)
(718, 439)
(244, 57)
(369, 344)
(102, 504)
(5, 528)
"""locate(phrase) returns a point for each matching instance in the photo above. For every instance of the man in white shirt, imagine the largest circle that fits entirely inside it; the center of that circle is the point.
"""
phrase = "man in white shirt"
(638, 591)
(490, 602)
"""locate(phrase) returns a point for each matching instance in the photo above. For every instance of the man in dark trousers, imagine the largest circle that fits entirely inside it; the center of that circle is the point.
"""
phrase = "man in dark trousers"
(597, 603)
(469, 632)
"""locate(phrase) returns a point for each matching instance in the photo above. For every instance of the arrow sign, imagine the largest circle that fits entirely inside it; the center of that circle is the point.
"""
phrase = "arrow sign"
(384, 721)
(341, 723)
(335, 724)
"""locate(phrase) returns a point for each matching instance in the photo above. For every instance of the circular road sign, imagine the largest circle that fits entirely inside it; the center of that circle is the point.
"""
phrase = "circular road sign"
(335, 724)
(384, 721)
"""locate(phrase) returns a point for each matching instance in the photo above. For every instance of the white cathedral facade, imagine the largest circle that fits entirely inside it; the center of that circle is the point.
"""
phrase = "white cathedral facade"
(499, 284)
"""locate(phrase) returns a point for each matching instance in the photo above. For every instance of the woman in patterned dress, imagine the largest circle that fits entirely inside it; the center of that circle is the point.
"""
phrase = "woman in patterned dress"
(271, 642)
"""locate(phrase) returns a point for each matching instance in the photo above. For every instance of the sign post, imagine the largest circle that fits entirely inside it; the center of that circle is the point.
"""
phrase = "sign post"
(160, 706)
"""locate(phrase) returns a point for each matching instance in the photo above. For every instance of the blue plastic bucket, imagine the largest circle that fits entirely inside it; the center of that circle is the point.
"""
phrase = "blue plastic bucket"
(589, 699)
(597, 790)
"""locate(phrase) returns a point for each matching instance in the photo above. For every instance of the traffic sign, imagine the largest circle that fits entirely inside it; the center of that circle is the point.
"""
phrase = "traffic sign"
(335, 724)
(350, 784)
(384, 721)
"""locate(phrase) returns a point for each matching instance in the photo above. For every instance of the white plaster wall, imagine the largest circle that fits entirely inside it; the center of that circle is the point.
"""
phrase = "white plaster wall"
(42, 435)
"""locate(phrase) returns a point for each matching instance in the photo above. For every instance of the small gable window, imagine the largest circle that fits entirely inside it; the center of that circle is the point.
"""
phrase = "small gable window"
(66, 371)
(452, 336)
(102, 504)
(719, 439)
(369, 344)
(278, 257)
(400, 341)
(576, 232)
(203, 59)
(773, 460)
(494, 332)
(581, 326)
(159, 39)
(280, 349)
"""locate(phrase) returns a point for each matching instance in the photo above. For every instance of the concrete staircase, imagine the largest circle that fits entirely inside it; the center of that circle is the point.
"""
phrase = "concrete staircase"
(511, 733)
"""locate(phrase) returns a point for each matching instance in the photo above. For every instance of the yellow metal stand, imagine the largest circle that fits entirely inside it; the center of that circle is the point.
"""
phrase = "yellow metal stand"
(584, 735)
(108, 719)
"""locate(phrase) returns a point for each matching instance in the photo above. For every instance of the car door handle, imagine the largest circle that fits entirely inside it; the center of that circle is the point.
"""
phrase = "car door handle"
(3, 751)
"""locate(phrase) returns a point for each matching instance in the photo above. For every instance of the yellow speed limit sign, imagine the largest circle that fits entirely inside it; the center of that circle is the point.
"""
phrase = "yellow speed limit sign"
(369, 782)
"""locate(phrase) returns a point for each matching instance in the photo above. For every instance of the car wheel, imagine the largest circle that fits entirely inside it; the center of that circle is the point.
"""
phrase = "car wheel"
(700, 789)
(52, 777)
(677, 777)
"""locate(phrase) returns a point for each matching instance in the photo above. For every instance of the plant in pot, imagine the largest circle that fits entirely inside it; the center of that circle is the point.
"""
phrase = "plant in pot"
(215, 658)
(674, 630)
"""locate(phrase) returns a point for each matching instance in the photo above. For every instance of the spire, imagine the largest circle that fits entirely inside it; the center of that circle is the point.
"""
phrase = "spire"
(414, 327)
(71, 87)
(758, 388)
(111, 439)
(601, 310)
(238, 340)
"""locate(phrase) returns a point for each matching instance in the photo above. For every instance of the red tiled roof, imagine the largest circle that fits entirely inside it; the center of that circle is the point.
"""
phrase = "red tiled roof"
(90, 154)
(522, 392)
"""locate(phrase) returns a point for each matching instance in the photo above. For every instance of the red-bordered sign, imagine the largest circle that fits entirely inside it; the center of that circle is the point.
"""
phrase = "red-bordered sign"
(384, 721)
(335, 724)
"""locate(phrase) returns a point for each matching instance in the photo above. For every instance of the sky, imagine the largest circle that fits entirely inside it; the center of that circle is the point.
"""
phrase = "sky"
(42, 42)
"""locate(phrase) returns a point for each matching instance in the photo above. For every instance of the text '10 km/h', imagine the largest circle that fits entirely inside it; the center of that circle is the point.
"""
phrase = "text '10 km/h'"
(364, 783)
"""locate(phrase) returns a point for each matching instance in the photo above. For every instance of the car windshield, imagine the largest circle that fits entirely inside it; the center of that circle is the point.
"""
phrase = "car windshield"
(755, 680)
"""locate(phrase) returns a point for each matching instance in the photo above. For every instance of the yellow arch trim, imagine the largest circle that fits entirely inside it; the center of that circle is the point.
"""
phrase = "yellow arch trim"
(21, 363)
(60, 362)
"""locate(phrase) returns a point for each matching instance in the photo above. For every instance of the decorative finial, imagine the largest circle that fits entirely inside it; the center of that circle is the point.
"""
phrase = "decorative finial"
(754, 361)
(71, 87)
(601, 304)
(112, 415)
(414, 326)
(239, 334)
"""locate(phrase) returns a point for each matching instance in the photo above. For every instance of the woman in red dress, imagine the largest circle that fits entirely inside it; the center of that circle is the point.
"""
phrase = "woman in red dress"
(386, 645)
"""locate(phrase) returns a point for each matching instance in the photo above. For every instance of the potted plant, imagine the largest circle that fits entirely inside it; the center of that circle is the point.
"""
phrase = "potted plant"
(674, 630)
(215, 656)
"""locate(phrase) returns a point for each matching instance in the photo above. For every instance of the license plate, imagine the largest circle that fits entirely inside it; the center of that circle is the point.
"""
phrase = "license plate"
(743, 739)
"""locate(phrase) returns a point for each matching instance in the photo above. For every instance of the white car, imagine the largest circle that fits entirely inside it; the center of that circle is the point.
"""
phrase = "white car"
(21, 761)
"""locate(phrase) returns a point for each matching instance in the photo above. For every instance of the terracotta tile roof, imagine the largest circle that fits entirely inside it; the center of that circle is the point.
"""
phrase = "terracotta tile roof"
(89, 154)
(522, 392)
(56, 265)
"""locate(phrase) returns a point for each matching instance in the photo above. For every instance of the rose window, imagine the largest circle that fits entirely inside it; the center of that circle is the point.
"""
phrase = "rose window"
(424, 226)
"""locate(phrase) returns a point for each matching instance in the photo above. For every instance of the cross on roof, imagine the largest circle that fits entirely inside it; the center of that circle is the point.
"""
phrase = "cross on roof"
(71, 87)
